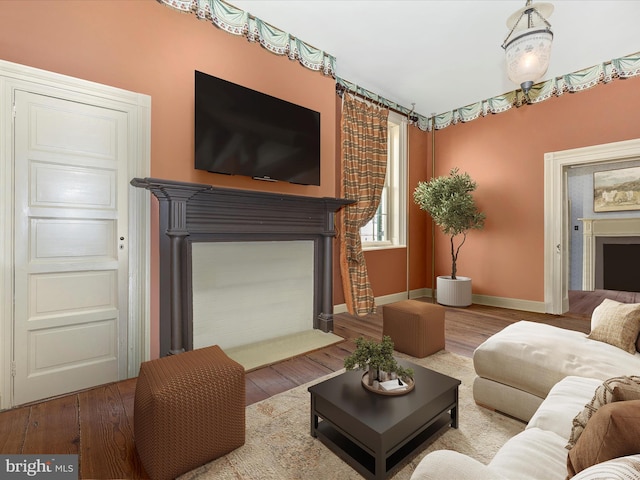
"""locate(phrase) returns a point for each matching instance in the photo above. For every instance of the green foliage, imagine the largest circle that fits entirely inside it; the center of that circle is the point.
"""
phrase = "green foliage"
(449, 202)
(379, 356)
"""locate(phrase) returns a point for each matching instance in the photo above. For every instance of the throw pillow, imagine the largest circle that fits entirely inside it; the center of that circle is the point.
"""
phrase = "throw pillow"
(612, 432)
(624, 468)
(615, 389)
(617, 324)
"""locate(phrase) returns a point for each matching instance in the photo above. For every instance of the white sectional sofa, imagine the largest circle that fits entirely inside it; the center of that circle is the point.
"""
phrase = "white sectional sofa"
(545, 375)
(517, 367)
(537, 453)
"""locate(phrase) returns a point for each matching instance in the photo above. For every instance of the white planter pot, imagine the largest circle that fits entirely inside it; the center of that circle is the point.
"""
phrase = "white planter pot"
(453, 293)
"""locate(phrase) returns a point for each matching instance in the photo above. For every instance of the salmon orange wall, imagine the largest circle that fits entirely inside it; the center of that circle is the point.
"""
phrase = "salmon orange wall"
(146, 47)
(504, 153)
(419, 221)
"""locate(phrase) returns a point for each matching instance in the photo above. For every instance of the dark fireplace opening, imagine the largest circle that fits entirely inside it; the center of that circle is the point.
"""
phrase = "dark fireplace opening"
(620, 270)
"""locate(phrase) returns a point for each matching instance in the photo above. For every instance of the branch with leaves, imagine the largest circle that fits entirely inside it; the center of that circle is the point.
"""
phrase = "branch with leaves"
(371, 355)
(449, 202)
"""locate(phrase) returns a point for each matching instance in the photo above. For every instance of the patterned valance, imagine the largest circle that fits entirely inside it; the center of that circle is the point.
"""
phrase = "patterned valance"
(624, 67)
(238, 22)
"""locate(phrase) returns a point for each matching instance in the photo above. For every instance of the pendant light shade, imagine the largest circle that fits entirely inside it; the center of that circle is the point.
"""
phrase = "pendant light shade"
(528, 45)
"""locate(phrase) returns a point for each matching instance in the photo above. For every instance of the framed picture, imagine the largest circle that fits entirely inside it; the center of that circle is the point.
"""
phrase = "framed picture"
(616, 190)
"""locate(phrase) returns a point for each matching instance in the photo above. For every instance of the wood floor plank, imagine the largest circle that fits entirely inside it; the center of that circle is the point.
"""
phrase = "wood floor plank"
(332, 357)
(127, 391)
(13, 429)
(301, 370)
(106, 434)
(253, 393)
(269, 381)
(54, 427)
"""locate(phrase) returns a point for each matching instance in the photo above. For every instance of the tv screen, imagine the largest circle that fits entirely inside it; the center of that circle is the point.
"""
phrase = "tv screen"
(239, 131)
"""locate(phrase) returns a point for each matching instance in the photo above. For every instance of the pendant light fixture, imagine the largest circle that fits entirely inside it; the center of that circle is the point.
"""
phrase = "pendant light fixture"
(528, 44)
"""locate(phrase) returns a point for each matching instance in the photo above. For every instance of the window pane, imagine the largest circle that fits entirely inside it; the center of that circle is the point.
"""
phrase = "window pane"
(377, 228)
(387, 226)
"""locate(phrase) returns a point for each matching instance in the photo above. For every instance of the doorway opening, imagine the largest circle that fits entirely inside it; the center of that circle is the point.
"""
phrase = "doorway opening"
(556, 212)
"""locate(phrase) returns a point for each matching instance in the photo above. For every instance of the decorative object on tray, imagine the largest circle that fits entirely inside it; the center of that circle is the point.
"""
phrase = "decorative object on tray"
(390, 387)
(377, 360)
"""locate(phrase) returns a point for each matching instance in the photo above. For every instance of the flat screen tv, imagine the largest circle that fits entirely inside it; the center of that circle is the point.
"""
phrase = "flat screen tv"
(239, 131)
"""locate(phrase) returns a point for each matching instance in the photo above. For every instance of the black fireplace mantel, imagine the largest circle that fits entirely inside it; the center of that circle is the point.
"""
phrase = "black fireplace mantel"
(191, 212)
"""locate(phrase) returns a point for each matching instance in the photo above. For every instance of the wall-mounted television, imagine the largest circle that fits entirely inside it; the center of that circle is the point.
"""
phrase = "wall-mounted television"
(239, 131)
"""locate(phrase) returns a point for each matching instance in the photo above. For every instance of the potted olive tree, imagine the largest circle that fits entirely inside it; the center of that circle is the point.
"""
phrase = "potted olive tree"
(449, 201)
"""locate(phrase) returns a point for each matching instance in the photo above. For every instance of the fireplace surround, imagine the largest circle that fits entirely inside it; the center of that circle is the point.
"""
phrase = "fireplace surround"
(596, 233)
(191, 212)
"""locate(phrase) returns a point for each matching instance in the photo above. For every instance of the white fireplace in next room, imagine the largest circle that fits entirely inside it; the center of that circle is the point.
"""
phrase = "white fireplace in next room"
(599, 232)
(246, 292)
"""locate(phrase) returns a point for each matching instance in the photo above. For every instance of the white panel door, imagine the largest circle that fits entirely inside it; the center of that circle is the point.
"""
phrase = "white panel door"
(70, 246)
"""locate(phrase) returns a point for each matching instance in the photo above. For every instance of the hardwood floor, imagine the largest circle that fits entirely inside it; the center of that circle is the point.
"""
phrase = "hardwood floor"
(97, 424)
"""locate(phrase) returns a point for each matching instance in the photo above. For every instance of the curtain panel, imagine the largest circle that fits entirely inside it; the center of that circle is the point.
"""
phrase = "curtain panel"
(364, 165)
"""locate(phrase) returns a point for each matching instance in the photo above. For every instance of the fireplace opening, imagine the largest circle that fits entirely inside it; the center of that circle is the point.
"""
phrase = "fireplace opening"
(615, 260)
(248, 292)
(620, 271)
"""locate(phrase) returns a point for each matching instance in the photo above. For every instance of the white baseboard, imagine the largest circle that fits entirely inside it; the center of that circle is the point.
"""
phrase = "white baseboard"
(511, 303)
(501, 302)
(394, 297)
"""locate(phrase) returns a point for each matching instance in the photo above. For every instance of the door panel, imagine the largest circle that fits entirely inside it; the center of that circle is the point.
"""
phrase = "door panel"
(61, 186)
(71, 268)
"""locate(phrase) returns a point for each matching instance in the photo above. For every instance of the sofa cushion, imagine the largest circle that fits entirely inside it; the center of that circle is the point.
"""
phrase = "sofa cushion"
(441, 464)
(623, 468)
(567, 397)
(611, 390)
(611, 432)
(617, 324)
(532, 454)
(533, 357)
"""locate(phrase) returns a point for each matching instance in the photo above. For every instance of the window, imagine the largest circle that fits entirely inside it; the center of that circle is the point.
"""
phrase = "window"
(388, 226)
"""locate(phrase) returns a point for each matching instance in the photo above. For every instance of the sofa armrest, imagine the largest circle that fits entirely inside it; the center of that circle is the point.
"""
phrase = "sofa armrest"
(449, 464)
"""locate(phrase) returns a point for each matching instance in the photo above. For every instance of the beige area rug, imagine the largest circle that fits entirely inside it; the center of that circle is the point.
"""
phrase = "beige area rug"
(267, 352)
(279, 445)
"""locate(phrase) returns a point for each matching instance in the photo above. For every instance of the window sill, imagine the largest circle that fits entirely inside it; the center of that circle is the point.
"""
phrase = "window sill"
(384, 246)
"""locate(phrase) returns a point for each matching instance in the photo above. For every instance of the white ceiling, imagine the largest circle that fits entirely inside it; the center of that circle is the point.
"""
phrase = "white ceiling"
(446, 54)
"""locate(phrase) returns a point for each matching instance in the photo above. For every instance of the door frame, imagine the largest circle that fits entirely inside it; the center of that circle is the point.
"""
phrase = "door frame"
(138, 108)
(556, 263)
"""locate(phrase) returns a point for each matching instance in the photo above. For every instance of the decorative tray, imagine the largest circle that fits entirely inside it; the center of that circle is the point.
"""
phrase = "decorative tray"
(381, 391)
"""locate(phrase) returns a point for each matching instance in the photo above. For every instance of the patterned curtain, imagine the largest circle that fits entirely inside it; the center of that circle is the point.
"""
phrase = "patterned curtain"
(364, 165)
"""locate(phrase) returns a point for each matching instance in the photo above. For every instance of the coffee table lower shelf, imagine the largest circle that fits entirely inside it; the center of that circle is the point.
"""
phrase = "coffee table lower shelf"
(365, 463)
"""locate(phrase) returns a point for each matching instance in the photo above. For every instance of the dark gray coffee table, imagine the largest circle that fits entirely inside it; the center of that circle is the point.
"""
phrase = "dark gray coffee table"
(375, 433)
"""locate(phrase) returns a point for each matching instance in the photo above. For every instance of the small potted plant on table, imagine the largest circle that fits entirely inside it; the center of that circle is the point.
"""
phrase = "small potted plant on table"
(376, 358)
